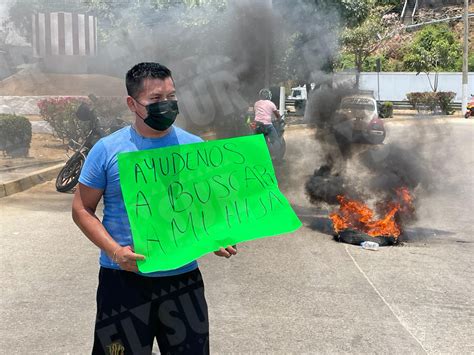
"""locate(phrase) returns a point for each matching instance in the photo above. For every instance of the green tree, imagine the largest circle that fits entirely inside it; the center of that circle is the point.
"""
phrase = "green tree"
(470, 63)
(111, 13)
(351, 12)
(19, 13)
(363, 40)
(395, 5)
(433, 49)
(309, 40)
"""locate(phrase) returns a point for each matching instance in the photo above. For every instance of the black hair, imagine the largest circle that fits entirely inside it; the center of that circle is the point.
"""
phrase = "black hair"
(135, 76)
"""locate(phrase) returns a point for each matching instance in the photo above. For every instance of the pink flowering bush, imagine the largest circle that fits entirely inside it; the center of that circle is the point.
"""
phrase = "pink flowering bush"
(60, 113)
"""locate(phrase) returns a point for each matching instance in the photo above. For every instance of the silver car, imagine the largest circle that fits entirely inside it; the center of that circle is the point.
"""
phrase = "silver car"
(362, 113)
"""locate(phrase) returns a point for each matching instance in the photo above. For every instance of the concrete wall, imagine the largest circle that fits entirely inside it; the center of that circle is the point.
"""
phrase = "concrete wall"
(21, 105)
(395, 86)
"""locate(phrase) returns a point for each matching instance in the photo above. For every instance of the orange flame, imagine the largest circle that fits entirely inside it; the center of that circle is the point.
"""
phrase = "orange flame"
(357, 215)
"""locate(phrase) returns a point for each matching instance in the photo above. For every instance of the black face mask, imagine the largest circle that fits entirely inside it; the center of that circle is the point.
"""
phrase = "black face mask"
(161, 115)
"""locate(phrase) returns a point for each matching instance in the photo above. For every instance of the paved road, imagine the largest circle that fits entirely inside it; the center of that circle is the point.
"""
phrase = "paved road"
(295, 293)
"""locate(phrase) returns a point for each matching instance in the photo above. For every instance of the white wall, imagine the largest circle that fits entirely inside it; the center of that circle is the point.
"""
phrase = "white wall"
(21, 105)
(395, 86)
(25, 105)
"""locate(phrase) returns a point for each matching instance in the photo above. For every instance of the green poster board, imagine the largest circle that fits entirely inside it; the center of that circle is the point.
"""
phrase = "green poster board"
(188, 200)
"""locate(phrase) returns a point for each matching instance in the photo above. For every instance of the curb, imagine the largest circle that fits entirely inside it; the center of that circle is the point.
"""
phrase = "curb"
(29, 165)
(12, 187)
(433, 119)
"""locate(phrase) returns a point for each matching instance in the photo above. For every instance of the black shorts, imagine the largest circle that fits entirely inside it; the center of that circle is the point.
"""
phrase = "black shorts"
(133, 310)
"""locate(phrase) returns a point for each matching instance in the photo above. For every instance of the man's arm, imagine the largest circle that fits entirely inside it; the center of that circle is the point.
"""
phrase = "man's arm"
(277, 114)
(84, 206)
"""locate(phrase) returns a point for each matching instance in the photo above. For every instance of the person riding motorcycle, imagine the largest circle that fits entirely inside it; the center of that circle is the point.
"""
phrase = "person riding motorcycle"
(264, 109)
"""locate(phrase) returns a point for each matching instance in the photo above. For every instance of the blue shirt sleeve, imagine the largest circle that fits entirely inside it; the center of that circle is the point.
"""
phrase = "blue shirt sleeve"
(94, 172)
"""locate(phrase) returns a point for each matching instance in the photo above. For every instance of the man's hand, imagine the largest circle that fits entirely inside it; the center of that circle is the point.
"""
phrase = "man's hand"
(127, 259)
(227, 252)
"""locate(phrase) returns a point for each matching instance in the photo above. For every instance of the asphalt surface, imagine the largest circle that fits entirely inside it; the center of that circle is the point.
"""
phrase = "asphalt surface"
(296, 293)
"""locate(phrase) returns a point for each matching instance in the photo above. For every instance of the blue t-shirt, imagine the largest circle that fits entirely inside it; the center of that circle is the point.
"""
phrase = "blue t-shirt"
(100, 171)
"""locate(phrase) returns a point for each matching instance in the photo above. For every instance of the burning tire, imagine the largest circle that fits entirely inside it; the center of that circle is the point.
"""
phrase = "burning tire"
(355, 222)
(356, 237)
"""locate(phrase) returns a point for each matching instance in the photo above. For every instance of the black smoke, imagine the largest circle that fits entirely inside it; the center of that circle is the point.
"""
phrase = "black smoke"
(361, 171)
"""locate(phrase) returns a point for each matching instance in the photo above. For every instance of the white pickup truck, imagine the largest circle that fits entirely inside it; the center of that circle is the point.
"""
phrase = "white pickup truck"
(300, 96)
(298, 93)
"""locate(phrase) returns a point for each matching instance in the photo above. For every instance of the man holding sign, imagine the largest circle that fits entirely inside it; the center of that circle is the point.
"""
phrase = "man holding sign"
(134, 308)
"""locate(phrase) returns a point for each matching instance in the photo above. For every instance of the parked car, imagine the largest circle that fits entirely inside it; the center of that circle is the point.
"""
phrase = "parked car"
(298, 93)
(300, 97)
(361, 113)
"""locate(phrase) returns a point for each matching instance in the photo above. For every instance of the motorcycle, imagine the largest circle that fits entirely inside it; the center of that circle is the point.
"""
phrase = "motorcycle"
(470, 108)
(277, 149)
(68, 177)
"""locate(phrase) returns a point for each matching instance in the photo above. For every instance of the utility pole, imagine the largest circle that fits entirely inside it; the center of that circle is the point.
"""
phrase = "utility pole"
(465, 57)
(378, 64)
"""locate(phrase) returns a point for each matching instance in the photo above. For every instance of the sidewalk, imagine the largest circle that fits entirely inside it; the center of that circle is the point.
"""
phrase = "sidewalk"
(45, 159)
(23, 174)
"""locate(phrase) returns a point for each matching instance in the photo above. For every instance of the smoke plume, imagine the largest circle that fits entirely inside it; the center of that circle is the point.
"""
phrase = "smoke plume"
(360, 171)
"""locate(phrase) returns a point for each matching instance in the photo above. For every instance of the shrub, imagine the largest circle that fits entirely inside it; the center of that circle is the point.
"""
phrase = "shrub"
(109, 108)
(386, 109)
(60, 113)
(432, 101)
(15, 135)
(415, 99)
(445, 98)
